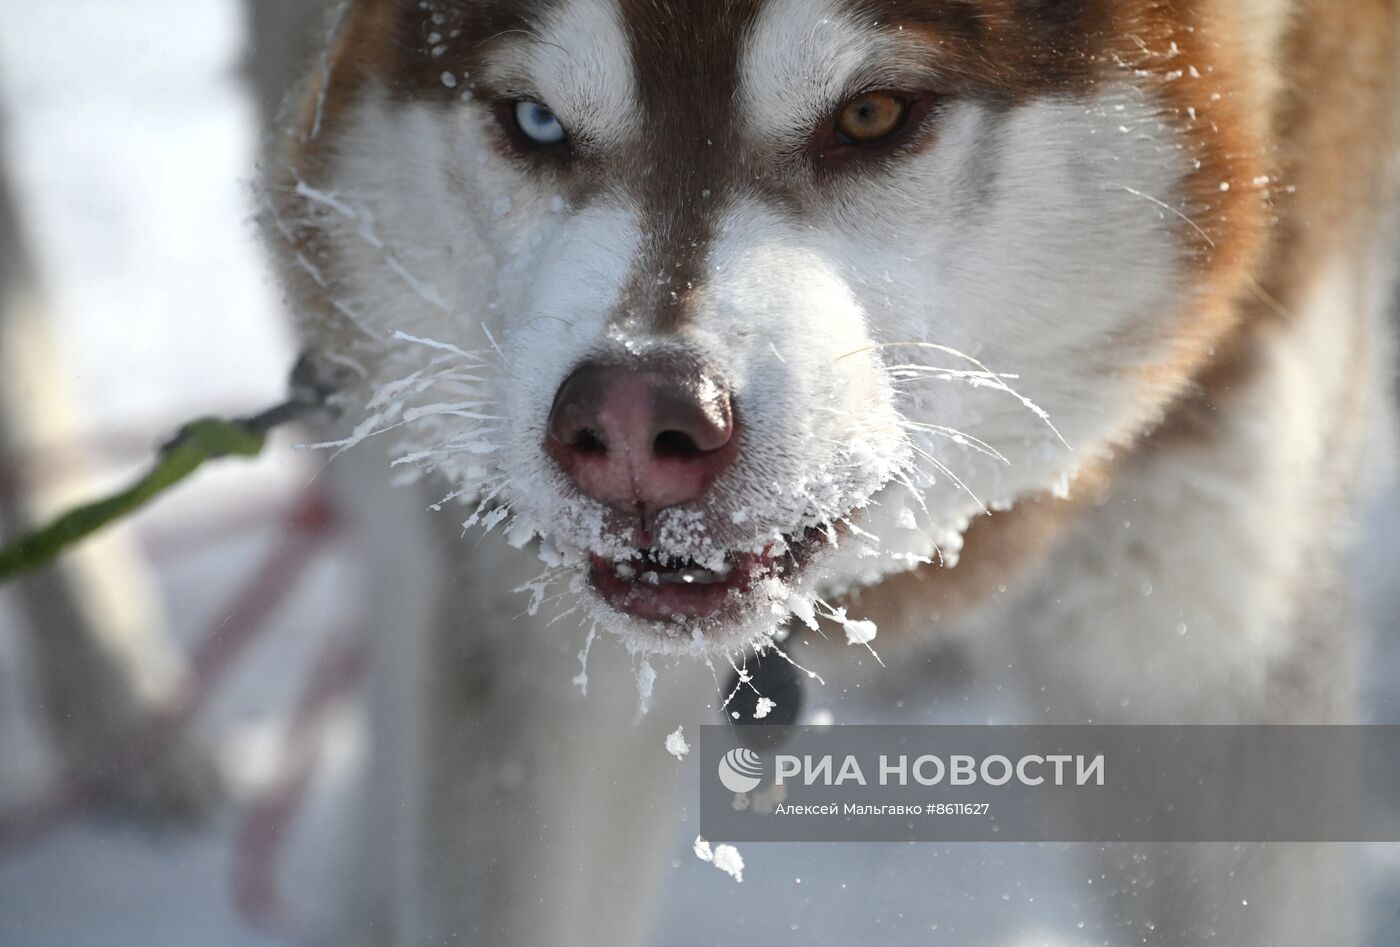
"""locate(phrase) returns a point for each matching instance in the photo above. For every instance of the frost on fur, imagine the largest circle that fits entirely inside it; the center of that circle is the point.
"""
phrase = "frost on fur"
(441, 419)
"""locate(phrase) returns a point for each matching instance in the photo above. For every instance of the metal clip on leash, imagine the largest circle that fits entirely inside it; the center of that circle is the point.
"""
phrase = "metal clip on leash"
(312, 385)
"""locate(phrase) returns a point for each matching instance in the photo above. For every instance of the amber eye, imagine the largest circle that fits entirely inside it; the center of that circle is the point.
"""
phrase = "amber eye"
(871, 117)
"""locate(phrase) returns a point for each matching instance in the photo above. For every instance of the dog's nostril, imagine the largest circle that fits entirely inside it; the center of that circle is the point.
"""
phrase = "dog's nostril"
(675, 445)
(649, 434)
(589, 442)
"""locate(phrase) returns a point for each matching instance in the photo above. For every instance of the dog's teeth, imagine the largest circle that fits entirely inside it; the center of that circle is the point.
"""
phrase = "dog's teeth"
(693, 577)
(654, 569)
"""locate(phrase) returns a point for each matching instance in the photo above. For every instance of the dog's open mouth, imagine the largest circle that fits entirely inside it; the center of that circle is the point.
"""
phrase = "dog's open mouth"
(663, 588)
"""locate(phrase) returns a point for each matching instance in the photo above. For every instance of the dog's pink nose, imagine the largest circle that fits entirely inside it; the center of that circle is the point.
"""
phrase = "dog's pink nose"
(642, 439)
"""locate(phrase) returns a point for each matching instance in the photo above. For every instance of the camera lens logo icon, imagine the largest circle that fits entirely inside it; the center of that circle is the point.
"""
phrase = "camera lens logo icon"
(741, 770)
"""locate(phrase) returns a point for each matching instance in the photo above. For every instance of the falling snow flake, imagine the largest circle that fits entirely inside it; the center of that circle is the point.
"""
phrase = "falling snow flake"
(724, 857)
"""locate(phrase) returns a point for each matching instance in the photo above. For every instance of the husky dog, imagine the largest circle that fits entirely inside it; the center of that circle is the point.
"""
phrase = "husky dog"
(1056, 324)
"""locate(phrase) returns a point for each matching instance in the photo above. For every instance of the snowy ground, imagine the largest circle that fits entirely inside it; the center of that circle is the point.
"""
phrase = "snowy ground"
(130, 144)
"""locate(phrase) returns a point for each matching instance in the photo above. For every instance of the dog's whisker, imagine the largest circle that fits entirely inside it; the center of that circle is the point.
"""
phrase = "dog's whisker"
(719, 688)
(881, 346)
(861, 533)
(959, 438)
(771, 645)
(854, 632)
(993, 379)
(745, 678)
(943, 468)
(899, 371)
(450, 498)
(738, 686)
(562, 615)
(538, 588)
(902, 478)
(447, 347)
(581, 679)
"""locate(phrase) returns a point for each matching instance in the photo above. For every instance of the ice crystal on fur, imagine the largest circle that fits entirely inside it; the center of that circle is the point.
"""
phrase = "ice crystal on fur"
(438, 412)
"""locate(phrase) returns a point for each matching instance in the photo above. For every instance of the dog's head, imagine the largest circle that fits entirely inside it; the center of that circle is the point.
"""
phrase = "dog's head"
(729, 304)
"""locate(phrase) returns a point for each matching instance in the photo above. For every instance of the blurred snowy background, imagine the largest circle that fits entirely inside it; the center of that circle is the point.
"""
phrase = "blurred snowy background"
(130, 136)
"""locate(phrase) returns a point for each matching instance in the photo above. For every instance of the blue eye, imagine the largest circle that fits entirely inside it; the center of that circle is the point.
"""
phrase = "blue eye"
(538, 123)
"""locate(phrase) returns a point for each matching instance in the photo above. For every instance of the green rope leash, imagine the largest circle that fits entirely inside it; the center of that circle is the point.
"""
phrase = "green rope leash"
(196, 444)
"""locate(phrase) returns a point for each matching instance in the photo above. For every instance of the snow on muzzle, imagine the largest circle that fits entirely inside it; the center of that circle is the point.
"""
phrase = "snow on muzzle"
(664, 588)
